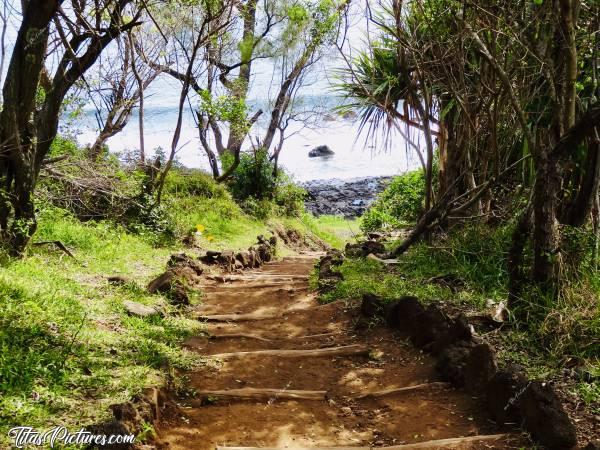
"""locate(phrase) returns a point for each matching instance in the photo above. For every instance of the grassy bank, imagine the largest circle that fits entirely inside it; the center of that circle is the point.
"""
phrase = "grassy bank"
(468, 269)
(68, 349)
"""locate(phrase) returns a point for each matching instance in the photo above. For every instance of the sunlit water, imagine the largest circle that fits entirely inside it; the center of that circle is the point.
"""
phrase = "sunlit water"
(356, 155)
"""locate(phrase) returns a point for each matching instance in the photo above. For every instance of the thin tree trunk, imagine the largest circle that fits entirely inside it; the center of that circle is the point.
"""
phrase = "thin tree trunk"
(140, 83)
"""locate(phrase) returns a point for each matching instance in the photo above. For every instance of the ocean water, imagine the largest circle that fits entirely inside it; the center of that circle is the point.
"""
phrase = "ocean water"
(356, 155)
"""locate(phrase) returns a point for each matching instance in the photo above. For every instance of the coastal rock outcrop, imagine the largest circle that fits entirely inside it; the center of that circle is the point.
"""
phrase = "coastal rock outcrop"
(348, 198)
(321, 150)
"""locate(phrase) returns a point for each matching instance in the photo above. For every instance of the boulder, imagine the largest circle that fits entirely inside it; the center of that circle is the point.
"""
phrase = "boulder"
(481, 366)
(431, 325)
(210, 257)
(244, 258)
(181, 260)
(350, 115)
(321, 150)
(502, 392)
(457, 330)
(174, 284)
(372, 306)
(364, 249)
(139, 310)
(452, 362)
(402, 314)
(226, 259)
(544, 417)
(112, 428)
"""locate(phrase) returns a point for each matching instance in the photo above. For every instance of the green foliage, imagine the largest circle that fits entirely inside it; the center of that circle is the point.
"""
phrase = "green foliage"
(191, 182)
(227, 108)
(253, 177)
(399, 204)
(66, 342)
(64, 145)
(289, 197)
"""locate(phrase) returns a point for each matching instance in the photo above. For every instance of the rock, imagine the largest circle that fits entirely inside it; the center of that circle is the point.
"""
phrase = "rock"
(182, 260)
(112, 428)
(544, 417)
(174, 284)
(244, 258)
(502, 392)
(431, 325)
(328, 118)
(458, 330)
(118, 280)
(375, 236)
(350, 115)
(210, 257)
(372, 306)
(139, 310)
(364, 249)
(402, 314)
(452, 362)
(328, 277)
(480, 368)
(593, 445)
(321, 150)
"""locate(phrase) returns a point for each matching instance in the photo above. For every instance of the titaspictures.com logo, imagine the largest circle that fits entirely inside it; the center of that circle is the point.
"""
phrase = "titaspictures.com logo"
(24, 437)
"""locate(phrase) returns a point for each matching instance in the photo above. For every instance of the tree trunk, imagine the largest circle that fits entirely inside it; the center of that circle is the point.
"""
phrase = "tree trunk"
(18, 172)
(546, 251)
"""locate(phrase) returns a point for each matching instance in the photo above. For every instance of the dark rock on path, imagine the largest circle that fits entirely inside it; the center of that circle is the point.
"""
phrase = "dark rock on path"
(502, 393)
(451, 362)
(545, 418)
(480, 368)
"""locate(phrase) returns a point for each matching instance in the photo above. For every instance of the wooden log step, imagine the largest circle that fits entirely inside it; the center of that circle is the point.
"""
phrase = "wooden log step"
(391, 391)
(238, 317)
(271, 284)
(345, 350)
(266, 394)
(259, 277)
(239, 335)
(428, 445)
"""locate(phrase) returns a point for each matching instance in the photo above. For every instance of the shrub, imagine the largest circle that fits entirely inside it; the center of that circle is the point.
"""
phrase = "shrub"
(193, 182)
(401, 202)
(253, 177)
(289, 196)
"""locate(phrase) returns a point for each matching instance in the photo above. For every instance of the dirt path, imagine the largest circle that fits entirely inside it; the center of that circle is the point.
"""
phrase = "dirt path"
(273, 309)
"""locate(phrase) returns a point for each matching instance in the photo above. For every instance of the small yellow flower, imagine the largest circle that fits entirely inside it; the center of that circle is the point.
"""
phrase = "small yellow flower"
(209, 238)
(200, 228)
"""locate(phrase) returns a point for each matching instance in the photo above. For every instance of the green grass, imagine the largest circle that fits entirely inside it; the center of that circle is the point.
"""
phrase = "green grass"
(554, 332)
(68, 349)
(334, 230)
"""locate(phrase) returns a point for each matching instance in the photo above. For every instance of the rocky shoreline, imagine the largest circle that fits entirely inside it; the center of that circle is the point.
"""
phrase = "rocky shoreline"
(347, 198)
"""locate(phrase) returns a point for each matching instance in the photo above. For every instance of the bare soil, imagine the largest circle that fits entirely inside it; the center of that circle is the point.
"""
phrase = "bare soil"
(287, 316)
